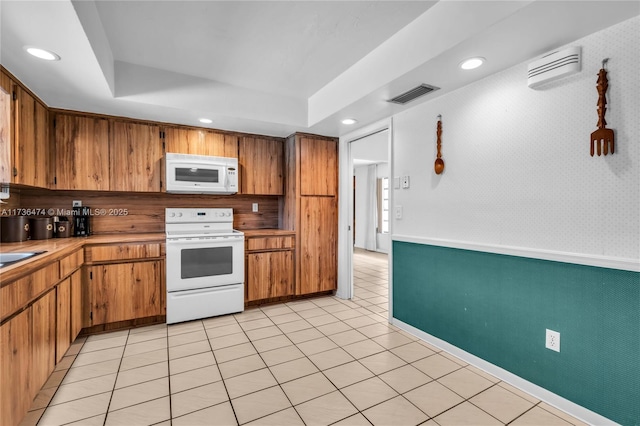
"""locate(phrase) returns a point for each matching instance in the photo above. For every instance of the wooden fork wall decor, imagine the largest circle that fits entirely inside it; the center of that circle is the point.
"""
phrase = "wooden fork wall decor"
(603, 138)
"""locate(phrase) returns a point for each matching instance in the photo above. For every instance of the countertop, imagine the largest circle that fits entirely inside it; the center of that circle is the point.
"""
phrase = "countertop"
(57, 248)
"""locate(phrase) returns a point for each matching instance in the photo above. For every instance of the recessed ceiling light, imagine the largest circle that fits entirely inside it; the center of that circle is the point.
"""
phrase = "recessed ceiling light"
(349, 121)
(472, 63)
(47, 55)
(206, 120)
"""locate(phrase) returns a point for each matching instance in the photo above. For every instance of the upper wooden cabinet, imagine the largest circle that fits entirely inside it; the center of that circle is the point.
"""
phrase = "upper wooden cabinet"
(5, 129)
(81, 152)
(200, 142)
(24, 140)
(135, 157)
(261, 166)
(318, 167)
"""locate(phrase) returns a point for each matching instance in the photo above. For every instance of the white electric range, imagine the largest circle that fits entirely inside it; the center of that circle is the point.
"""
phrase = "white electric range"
(205, 264)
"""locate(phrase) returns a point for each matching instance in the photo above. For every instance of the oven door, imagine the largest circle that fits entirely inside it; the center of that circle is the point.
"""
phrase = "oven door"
(202, 262)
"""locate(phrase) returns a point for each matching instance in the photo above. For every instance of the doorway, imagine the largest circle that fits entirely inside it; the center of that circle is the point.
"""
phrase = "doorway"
(369, 220)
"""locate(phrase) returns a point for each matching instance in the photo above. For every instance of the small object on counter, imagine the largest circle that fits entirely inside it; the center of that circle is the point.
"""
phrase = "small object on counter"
(63, 228)
(439, 164)
(14, 229)
(41, 228)
(81, 221)
(602, 138)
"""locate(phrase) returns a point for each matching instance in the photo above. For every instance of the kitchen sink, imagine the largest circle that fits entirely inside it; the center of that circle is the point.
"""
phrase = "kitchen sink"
(7, 259)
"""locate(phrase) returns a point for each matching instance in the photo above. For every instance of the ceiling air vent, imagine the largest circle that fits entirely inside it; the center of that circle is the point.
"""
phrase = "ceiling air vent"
(412, 94)
(553, 66)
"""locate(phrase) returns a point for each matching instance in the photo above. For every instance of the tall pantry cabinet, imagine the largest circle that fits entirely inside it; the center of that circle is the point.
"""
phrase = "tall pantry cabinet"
(311, 209)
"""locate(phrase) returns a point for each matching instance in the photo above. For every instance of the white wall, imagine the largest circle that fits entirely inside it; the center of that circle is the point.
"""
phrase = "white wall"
(517, 165)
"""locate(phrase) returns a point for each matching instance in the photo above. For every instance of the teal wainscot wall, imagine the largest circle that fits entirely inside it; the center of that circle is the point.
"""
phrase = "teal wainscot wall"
(497, 307)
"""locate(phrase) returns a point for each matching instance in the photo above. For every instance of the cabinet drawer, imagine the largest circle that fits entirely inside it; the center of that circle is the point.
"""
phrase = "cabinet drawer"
(71, 263)
(121, 252)
(14, 296)
(44, 278)
(269, 243)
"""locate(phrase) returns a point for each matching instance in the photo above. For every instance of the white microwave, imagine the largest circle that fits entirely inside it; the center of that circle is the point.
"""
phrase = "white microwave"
(201, 174)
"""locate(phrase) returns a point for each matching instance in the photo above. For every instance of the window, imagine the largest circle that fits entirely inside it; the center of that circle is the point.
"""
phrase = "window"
(383, 205)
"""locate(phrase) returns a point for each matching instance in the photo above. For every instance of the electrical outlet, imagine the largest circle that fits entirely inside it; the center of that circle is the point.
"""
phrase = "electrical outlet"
(553, 340)
(398, 212)
(254, 207)
(77, 203)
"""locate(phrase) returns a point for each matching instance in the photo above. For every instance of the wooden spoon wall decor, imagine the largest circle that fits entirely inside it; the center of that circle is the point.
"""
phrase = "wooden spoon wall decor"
(439, 164)
(603, 138)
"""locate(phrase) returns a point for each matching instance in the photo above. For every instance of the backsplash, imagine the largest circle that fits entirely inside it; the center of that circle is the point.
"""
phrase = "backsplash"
(128, 212)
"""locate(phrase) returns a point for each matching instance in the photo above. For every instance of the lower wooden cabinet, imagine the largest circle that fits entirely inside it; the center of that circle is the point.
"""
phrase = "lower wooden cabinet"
(43, 341)
(318, 248)
(269, 264)
(125, 291)
(269, 274)
(15, 359)
(63, 318)
(77, 305)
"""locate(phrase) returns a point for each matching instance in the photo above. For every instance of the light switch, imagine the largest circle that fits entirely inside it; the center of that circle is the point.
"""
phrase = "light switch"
(398, 212)
(405, 182)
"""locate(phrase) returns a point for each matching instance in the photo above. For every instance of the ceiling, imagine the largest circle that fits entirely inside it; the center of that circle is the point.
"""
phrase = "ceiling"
(276, 67)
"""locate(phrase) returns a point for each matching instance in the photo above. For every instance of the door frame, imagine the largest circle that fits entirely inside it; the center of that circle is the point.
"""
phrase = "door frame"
(345, 207)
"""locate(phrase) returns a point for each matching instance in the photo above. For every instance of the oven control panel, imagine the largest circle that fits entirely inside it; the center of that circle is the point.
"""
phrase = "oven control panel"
(186, 215)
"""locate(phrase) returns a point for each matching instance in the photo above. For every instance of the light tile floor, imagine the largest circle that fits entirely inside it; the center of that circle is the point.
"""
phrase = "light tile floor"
(318, 361)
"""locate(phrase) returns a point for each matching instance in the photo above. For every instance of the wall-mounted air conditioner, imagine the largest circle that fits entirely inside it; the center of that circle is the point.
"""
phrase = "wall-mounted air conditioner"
(553, 66)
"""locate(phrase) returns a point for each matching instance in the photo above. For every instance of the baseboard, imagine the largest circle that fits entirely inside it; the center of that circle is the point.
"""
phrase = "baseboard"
(542, 394)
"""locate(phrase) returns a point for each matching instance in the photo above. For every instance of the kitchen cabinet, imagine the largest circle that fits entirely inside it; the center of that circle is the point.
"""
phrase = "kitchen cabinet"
(184, 140)
(63, 318)
(135, 157)
(6, 112)
(24, 143)
(318, 248)
(43, 341)
(261, 166)
(318, 167)
(77, 305)
(269, 266)
(125, 291)
(15, 360)
(125, 282)
(310, 208)
(81, 152)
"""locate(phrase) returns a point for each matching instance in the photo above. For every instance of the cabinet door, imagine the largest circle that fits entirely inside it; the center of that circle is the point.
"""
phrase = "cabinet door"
(63, 318)
(261, 166)
(269, 274)
(125, 291)
(318, 167)
(43, 349)
(76, 304)
(15, 395)
(135, 157)
(5, 131)
(318, 244)
(200, 142)
(81, 152)
(31, 151)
